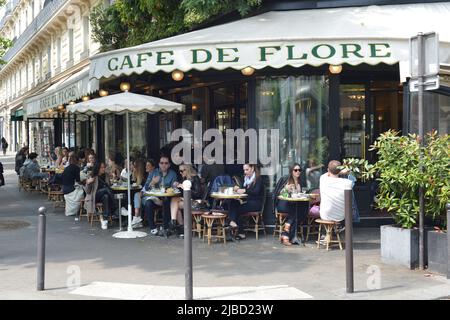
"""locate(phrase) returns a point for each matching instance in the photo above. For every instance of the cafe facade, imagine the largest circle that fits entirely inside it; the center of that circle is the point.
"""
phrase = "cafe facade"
(329, 80)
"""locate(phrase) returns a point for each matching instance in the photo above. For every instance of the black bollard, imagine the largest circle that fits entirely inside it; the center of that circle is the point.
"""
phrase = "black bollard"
(41, 249)
(349, 240)
(448, 240)
(187, 196)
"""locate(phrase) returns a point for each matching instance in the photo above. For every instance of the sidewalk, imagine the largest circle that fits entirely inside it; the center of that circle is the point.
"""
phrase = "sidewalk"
(153, 267)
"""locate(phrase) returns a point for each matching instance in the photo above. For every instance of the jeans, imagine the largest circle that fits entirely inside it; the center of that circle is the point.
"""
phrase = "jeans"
(236, 209)
(137, 200)
(106, 197)
(149, 210)
(290, 209)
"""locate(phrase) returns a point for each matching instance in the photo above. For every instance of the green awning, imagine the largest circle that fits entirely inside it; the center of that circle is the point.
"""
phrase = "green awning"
(17, 116)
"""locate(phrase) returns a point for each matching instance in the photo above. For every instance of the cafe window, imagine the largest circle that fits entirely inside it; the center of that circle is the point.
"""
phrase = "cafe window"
(298, 108)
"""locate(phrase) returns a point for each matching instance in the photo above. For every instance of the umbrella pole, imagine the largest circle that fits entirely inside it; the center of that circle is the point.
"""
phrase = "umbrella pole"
(130, 227)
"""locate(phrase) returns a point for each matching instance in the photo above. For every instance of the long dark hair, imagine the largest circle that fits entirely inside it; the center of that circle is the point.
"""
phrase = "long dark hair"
(96, 168)
(291, 179)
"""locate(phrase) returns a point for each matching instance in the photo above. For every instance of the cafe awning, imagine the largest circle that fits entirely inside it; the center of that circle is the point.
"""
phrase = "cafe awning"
(354, 35)
(70, 88)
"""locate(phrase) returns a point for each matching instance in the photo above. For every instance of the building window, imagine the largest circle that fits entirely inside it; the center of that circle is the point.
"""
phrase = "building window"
(58, 52)
(70, 36)
(85, 33)
(298, 108)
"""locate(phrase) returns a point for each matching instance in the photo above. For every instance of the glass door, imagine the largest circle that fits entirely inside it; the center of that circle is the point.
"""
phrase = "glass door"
(353, 121)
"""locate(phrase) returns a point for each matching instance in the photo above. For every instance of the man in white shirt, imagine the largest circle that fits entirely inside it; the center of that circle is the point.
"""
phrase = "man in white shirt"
(332, 206)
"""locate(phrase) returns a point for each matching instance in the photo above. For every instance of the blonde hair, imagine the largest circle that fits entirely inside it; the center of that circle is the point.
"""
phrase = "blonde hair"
(138, 171)
(190, 171)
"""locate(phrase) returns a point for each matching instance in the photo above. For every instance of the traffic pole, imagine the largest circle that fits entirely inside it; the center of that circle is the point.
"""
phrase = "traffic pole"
(41, 249)
(187, 196)
(349, 240)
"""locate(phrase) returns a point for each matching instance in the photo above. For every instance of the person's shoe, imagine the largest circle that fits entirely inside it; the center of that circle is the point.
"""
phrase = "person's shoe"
(164, 233)
(180, 236)
(124, 212)
(241, 237)
(136, 220)
(137, 225)
(104, 224)
(154, 231)
(340, 229)
(172, 225)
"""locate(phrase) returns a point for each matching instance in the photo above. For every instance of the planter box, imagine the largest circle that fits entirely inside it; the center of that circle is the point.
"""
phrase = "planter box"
(437, 252)
(400, 246)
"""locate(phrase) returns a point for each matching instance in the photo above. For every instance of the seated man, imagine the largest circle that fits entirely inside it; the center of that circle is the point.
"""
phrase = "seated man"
(160, 177)
(332, 206)
(32, 170)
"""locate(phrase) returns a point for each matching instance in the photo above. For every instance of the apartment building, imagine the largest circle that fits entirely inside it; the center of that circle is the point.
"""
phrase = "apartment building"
(51, 45)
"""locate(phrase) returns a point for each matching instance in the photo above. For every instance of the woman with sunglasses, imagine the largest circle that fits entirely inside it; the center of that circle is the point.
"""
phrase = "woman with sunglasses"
(289, 184)
(187, 172)
(254, 188)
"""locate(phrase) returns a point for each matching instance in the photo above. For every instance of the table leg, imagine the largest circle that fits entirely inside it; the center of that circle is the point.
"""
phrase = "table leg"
(120, 214)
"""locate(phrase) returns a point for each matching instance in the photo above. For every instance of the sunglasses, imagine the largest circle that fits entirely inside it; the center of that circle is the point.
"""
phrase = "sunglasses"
(297, 170)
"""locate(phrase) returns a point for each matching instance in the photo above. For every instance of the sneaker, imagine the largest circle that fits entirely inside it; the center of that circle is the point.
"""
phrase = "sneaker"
(154, 231)
(123, 211)
(137, 225)
(136, 220)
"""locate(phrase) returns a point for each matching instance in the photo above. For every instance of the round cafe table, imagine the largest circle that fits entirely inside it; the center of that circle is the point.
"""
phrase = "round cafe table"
(296, 201)
(119, 193)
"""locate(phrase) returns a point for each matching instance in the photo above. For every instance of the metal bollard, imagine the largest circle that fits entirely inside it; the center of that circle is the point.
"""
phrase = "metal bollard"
(448, 240)
(41, 249)
(349, 240)
(187, 197)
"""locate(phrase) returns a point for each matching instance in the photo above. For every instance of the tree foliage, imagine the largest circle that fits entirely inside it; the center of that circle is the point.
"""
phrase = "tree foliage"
(132, 22)
(399, 175)
(5, 44)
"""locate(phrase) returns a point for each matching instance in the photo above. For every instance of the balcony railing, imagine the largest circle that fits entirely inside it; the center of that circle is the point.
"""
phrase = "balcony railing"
(41, 19)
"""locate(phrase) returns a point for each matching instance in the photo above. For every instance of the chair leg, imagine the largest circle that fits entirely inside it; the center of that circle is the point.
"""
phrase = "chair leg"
(329, 236)
(318, 236)
(338, 237)
(256, 220)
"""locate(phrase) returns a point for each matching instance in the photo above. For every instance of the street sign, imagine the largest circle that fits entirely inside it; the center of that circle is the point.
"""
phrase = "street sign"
(429, 83)
(430, 55)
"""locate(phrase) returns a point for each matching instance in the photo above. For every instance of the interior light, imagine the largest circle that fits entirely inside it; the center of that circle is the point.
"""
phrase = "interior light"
(177, 75)
(103, 93)
(125, 86)
(335, 69)
(248, 71)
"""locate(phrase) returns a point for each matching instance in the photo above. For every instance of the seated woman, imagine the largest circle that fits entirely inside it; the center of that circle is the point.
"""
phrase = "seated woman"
(290, 184)
(98, 190)
(72, 193)
(187, 172)
(254, 188)
(140, 174)
(114, 169)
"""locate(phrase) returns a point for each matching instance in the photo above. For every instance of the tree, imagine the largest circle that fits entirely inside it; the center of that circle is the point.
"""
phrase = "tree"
(132, 22)
(5, 44)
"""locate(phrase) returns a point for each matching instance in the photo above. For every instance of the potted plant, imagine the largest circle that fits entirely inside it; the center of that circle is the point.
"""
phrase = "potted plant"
(400, 177)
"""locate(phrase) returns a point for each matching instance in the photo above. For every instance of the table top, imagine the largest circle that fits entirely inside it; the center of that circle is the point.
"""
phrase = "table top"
(125, 188)
(219, 195)
(306, 197)
(163, 194)
(52, 169)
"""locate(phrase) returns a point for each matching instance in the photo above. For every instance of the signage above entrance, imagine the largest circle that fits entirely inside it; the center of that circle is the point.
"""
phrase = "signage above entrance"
(239, 56)
(336, 36)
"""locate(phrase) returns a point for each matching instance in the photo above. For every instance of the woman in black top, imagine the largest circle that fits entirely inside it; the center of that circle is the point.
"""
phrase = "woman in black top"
(70, 175)
(290, 184)
(254, 188)
(98, 190)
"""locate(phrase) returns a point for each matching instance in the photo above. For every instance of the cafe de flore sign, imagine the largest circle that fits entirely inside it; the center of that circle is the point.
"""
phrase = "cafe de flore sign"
(238, 56)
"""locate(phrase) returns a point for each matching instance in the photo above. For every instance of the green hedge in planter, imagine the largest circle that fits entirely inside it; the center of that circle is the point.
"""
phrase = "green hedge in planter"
(399, 176)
